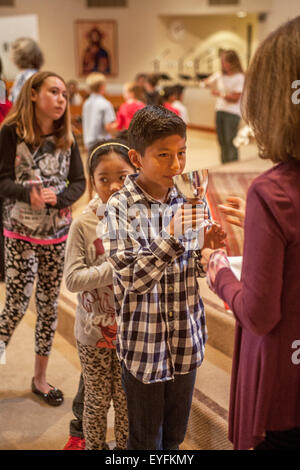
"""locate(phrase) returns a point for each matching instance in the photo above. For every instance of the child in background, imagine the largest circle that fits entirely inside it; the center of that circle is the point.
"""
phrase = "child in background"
(168, 98)
(134, 100)
(178, 104)
(97, 112)
(41, 176)
(88, 273)
(75, 98)
(150, 86)
(160, 314)
(28, 57)
(5, 106)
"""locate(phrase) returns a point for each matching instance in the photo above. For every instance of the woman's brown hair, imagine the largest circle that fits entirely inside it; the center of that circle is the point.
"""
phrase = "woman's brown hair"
(267, 101)
(233, 59)
(23, 116)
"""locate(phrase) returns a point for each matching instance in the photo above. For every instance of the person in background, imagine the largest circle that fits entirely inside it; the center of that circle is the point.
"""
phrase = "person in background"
(134, 100)
(167, 99)
(28, 57)
(5, 106)
(227, 86)
(150, 85)
(140, 79)
(178, 103)
(74, 96)
(41, 176)
(97, 112)
(264, 402)
(88, 273)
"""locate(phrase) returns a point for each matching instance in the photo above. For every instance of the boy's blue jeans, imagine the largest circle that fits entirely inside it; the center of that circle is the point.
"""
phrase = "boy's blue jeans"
(158, 413)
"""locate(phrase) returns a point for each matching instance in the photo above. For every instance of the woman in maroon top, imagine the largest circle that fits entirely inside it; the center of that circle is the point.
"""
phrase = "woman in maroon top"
(265, 386)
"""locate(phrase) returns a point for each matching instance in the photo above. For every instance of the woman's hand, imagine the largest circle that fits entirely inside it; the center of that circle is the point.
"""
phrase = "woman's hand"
(234, 210)
(49, 196)
(36, 199)
(212, 262)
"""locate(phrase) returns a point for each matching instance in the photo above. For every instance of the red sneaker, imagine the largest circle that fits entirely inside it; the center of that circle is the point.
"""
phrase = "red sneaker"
(75, 443)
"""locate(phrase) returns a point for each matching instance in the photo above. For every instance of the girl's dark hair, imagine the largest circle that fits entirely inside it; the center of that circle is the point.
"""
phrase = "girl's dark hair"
(105, 147)
(152, 123)
(166, 93)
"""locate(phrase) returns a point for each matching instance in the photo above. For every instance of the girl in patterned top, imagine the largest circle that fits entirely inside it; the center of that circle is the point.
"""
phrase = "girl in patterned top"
(88, 273)
(41, 176)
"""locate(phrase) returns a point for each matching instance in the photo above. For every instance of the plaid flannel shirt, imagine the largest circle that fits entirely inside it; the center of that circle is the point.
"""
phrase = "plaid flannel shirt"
(159, 311)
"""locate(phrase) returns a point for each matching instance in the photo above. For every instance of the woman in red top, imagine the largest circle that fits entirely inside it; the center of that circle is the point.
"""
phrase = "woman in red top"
(265, 384)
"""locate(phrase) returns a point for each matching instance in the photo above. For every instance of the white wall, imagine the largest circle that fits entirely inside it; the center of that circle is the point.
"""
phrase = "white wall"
(11, 28)
(141, 32)
(283, 10)
(204, 34)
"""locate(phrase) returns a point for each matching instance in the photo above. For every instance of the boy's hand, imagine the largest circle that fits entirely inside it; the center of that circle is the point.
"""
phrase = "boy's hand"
(186, 217)
(234, 210)
(36, 199)
(214, 237)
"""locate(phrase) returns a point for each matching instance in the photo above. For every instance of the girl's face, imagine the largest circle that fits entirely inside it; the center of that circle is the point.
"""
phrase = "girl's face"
(110, 174)
(226, 66)
(50, 100)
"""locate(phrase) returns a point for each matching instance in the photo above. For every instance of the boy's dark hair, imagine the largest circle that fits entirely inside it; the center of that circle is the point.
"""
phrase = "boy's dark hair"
(151, 123)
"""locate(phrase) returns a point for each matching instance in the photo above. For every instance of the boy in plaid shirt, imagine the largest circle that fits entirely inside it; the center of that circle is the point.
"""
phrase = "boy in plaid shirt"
(160, 314)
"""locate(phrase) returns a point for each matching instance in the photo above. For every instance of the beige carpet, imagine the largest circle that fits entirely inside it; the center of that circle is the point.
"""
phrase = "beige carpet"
(26, 422)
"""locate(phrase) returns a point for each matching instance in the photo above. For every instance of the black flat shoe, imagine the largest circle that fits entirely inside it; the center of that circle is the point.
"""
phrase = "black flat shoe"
(54, 397)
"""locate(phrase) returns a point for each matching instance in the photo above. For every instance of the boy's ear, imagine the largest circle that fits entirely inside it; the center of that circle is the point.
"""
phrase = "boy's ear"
(135, 158)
